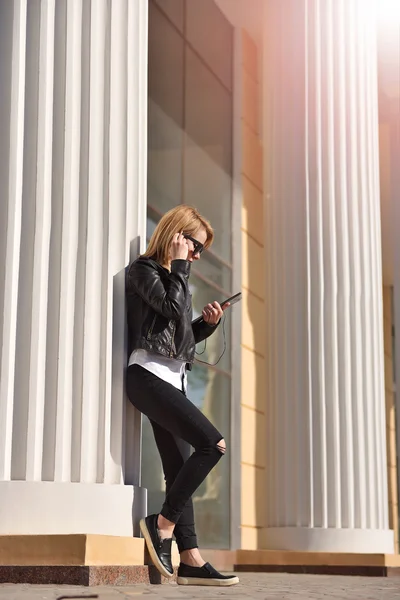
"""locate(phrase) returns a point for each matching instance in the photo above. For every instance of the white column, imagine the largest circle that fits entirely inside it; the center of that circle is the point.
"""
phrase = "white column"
(136, 185)
(13, 34)
(326, 469)
(73, 214)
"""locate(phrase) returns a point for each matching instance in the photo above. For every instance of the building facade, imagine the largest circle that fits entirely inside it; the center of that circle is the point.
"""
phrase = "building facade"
(279, 120)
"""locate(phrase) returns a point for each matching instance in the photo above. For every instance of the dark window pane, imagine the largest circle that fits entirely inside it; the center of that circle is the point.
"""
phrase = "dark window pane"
(190, 160)
(211, 392)
(208, 187)
(208, 151)
(208, 108)
(165, 114)
(164, 169)
(165, 65)
(215, 272)
(213, 349)
(174, 10)
(209, 32)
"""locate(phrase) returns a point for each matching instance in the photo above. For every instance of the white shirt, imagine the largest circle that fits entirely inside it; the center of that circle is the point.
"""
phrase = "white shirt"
(168, 369)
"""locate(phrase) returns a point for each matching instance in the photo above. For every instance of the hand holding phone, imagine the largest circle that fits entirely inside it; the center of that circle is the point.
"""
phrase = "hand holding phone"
(210, 308)
(212, 313)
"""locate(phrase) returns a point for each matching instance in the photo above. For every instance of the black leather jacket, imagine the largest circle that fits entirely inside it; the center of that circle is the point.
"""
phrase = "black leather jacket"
(159, 306)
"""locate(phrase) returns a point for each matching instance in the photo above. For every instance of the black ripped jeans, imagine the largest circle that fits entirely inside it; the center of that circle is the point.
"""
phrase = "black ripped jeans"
(177, 425)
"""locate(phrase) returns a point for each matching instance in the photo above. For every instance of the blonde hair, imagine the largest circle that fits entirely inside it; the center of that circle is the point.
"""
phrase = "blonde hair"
(182, 218)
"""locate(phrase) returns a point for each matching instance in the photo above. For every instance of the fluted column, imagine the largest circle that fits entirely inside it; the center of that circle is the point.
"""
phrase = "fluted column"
(326, 462)
(73, 188)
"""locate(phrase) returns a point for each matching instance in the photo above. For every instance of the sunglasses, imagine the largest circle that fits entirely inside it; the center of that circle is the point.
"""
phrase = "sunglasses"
(198, 247)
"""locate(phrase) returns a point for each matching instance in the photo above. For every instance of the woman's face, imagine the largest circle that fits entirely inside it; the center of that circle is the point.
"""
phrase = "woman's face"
(199, 236)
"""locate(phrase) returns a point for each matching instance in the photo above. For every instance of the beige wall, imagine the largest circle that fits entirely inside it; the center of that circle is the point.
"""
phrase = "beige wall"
(390, 415)
(385, 190)
(253, 309)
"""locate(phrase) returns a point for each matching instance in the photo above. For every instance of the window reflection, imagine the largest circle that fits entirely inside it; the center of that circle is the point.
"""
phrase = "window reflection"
(190, 161)
(211, 269)
(164, 160)
(211, 36)
(208, 118)
(210, 391)
(174, 9)
(166, 55)
(213, 347)
(208, 187)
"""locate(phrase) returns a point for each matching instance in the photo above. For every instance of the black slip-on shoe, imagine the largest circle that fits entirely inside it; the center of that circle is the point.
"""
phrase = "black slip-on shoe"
(205, 575)
(159, 550)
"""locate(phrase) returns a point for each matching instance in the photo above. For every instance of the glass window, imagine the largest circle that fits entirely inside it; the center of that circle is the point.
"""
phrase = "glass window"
(164, 180)
(190, 161)
(174, 9)
(211, 270)
(211, 36)
(165, 74)
(208, 113)
(208, 150)
(208, 187)
(210, 390)
(212, 349)
(165, 112)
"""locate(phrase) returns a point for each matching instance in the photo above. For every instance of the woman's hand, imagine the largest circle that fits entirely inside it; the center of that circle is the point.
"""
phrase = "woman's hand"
(212, 313)
(179, 247)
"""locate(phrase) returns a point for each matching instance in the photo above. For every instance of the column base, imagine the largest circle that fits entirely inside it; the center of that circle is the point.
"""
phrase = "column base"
(307, 539)
(81, 575)
(318, 563)
(71, 550)
(77, 560)
(48, 508)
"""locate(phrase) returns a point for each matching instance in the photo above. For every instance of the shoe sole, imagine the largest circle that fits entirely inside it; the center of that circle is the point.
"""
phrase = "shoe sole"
(204, 581)
(153, 554)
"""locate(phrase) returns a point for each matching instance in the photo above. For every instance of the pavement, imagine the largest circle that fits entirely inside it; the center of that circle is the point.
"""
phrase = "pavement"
(257, 586)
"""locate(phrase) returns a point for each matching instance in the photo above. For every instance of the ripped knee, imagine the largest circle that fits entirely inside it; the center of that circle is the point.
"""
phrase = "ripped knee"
(221, 446)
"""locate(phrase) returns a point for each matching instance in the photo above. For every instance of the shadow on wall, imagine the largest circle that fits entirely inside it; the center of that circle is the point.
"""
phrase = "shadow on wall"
(128, 451)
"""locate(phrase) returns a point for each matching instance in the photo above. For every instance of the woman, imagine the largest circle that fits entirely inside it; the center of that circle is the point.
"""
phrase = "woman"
(163, 341)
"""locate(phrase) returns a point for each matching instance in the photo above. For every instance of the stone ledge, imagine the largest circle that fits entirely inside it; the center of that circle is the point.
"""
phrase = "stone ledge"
(81, 575)
(282, 558)
(88, 558)
(317, 563)
(359, 571)
(223, 560)
(75, 550)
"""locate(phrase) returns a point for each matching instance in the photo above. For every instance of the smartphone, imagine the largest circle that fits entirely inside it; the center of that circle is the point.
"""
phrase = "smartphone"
(232, 300)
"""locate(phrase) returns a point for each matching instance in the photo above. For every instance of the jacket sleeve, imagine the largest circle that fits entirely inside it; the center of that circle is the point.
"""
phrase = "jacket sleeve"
(202, 330)
(167, 299)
